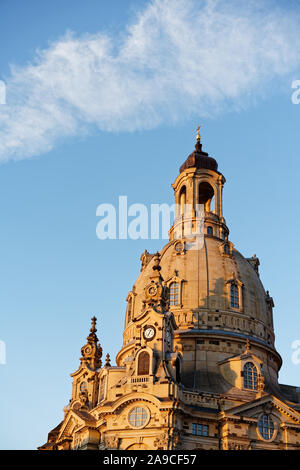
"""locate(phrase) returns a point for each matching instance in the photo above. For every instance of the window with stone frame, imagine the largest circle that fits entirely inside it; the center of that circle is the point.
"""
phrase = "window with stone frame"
(138, 417)
(250, 376)
(226, 249)
(199, 429)
(174, 293)
(143, 363)
(266, 426)
(234, 296)
(182, 200)
(129, 310)
(102, 388)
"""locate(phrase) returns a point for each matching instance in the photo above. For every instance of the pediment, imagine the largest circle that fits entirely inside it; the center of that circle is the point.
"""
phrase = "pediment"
(243, 357)
(174, 278)
(232, 368)
(83, 369)
(269, 404)
(74, 419)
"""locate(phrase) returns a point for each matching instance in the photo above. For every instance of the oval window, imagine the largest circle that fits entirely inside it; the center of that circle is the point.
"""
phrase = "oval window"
(266, 427)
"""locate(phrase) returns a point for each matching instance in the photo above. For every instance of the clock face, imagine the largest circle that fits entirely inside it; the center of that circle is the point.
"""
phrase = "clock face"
(152, 290)
(149, 333)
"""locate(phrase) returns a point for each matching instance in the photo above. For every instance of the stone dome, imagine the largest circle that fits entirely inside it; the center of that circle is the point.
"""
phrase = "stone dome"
(215, 294)
(204, 278)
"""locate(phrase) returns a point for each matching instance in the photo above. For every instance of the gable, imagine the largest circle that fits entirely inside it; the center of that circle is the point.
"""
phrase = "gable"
(74, 420)
(266, 404)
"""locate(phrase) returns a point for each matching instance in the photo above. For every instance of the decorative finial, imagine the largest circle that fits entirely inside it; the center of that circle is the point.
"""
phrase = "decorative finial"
(156, 258)
(94, 321)
(107, 360)
(92, 337)
(260, 383)
(248, 346)
(198, 137)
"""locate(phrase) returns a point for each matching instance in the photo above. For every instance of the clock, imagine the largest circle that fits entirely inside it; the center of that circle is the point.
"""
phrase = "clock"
(152, 290)
(149, 332)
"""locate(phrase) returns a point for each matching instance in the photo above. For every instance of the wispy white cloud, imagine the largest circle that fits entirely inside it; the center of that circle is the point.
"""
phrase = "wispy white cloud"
(179, 57)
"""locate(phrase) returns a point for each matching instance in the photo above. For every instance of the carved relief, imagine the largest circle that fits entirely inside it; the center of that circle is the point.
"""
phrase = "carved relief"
(176, 438)
(112, 442)
(83, 397)
(145, 258)
(161, 441)
(260, 382)
(235, 446)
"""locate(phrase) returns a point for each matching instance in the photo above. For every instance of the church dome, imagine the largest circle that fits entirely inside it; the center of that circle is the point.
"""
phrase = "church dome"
(205, 298)
(214, 293)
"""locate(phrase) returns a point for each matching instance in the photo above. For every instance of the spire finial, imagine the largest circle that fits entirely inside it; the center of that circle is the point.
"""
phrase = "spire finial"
(94, 321)
(107, 360)
(248, 346)
(92, 337)
(198, 136)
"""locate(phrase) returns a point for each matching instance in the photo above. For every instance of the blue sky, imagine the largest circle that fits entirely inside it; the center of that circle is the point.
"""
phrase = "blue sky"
(107, 107)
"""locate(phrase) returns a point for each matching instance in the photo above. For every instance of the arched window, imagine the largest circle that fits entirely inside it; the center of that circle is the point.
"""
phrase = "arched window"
(177, 369)
(129, 310)
(210, 231)
(174, 293)
(234, 296)
(206, 194)
(102, 388)
(143, 363)
(250, 376)
(182, 200)
(266, 426)
(226, 250)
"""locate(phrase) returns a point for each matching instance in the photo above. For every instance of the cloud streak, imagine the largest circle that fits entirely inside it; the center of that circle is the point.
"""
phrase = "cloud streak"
(178, 58)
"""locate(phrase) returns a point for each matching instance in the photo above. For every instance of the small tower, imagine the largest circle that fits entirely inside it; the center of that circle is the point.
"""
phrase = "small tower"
(199, 185)
(156, 293)
(92, 351)
(85, 379)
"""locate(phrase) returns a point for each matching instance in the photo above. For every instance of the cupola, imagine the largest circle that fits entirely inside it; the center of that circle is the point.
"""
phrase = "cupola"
(198, 191)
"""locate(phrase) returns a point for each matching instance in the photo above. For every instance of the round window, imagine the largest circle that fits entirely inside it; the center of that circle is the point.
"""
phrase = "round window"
(138, 417)
(179, 247)
(266, 427)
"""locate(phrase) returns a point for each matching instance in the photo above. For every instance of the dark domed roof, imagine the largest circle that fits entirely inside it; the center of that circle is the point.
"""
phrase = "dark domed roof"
(199, 159)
